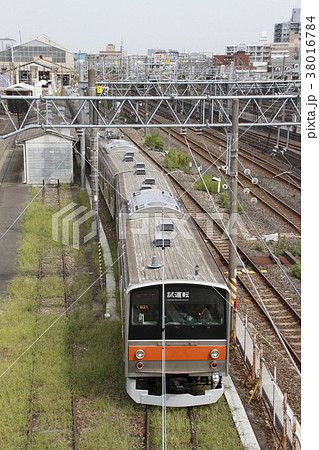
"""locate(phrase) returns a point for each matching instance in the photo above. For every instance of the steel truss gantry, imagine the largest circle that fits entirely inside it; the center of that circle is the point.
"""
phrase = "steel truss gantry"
(201, 88)
(183, 110)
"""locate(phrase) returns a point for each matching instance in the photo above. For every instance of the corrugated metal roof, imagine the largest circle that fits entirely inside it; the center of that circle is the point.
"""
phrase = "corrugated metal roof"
(39, 132)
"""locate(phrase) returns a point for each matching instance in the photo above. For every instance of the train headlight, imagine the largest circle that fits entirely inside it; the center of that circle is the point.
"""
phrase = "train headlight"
(214, 353)
(140, 354)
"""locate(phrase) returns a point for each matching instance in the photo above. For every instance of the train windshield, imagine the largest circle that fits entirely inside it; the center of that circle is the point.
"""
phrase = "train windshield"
(191, 311)
(196, 311)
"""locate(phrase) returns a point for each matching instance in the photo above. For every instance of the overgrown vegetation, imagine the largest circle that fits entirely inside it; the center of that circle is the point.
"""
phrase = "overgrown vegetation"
(213, 426)
(177, 160)
(35, 389)
(154, 141)
(53, 365)
(174, 160)
(259, 247)
(212, 185)
(282, 245)
(206, 182)
(296, 270)
(224, 200)
(77, 360)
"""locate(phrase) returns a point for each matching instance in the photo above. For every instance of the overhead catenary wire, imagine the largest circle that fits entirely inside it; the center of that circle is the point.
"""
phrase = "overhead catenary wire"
(41, 190)
(58, 318)
(225, 230)
(250, 279)
(163, 343)
(253, 225)
(33, 199)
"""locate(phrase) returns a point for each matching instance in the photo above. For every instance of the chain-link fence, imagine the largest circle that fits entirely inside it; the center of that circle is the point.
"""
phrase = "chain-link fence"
(283, 419)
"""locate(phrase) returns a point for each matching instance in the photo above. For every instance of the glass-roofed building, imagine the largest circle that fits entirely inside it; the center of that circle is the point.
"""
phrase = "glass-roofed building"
(17, 61)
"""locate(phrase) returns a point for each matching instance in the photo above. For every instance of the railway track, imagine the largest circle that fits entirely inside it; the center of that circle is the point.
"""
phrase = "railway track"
(285, 212)
(252, 157)
(188, 415)
(276, 310)
(277, 206)
(67, 306)
(260, 141)
(51, 266)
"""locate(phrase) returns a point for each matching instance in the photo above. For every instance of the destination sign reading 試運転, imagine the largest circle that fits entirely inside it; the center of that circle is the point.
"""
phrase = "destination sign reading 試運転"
(177, 295)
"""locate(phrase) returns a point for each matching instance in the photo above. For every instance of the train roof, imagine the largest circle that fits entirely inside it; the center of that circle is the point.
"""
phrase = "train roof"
(153, 200)
(179, 250)
(154, 218)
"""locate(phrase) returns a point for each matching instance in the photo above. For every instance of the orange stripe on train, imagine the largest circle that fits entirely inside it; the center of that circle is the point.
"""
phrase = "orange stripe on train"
(177, 353)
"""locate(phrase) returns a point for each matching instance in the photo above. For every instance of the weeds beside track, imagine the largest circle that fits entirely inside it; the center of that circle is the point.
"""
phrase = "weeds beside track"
(66, 389)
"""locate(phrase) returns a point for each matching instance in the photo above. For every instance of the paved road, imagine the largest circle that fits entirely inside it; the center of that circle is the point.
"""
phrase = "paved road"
(13, 199)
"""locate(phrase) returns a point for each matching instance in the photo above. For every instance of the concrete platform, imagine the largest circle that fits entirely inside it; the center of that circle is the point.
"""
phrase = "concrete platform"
(240, 418)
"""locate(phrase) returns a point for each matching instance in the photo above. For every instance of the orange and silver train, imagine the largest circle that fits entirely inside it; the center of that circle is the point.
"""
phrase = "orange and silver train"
(174, 298)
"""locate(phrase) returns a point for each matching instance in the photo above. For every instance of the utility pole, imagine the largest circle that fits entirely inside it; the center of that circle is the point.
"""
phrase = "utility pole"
(146, 103)
(82, 131)
(94, 152)
(233, 212)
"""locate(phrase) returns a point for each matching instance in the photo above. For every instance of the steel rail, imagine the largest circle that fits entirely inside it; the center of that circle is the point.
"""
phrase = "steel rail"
(262, 308)
(261, 190)
(258, 161)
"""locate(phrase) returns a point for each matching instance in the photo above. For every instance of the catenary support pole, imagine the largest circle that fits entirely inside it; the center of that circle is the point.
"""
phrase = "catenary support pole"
(94, 153)
(82, 134)
(146, 131)
(233, 212)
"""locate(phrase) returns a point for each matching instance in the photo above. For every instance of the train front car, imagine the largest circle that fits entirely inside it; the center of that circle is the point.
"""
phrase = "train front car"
(195, 348)
(189, 332)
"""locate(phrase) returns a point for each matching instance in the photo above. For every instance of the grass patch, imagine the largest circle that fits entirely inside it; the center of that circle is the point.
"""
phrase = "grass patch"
(177, 160)
(154, 141)
(51, 287)
(178, 432)
(111, 429)
(259, 247)
(215, 427)
(296, 270)
(35, 391)
(282, 245)
(99, 364)
(211, 185)
(224, 200)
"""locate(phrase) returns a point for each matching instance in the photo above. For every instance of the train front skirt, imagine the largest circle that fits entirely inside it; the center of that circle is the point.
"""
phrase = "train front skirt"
(173, 400)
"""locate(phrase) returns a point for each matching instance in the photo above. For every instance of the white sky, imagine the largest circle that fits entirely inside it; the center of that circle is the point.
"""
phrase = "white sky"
(202, 25)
